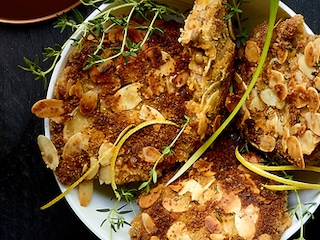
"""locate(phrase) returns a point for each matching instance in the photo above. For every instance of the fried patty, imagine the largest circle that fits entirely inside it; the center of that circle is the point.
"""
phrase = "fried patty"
(281, 114)
(216, 199)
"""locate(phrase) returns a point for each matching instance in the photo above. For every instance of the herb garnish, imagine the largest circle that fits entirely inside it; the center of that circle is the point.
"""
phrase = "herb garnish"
(236, 14)
(167, 150)
(149, 10)
(115, 214)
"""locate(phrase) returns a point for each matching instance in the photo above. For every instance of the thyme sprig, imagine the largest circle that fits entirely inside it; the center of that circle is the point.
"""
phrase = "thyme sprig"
(167, 150)
(105, 20)
(236, 15)
(115, 214)
(300, 211)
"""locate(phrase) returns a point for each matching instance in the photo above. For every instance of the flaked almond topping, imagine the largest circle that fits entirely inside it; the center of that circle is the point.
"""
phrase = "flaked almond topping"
(148, 223)
(48, 152)
(275, 77)
(173, 206)
(95, 170)
(178, 231)
(104, 174)
(147, 200)
(269, 97)
(295, 151)
(88, 102)
(309, 54)
(213, 224)
(106, 152)
(313, 101)
(282, 55)
(267, 143)
(308, 141)
(280, 91)
(85, 192)
(47, 108)
(252, 51)
(150, 154)
(313, 120)
(149, 113)
(75, 145)
(245, 221)
(194, 188)
(78, 123)
(127, 97)
(230, 203)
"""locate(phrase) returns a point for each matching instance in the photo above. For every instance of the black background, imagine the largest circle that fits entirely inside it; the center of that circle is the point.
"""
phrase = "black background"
(25, 183)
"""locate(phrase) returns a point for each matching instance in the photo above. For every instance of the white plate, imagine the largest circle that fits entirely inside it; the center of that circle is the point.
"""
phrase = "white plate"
(102, 197)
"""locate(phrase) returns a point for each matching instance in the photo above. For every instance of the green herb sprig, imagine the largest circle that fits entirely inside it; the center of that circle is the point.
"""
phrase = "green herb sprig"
(115, 214)
(98, 27)
(167, 150)
(236, 14)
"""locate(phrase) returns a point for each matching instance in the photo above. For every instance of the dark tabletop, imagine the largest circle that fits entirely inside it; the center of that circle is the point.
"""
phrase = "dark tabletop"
(25, 183)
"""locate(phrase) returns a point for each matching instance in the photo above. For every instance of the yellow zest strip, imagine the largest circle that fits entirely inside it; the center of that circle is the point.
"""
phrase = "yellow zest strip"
(256, 169)
(281, 187)
(125, 134)
(121, 142)
(287, 168)
(72, 186)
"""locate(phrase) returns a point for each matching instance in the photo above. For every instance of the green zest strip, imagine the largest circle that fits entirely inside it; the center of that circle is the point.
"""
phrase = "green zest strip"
(204, 147)
(290, 184)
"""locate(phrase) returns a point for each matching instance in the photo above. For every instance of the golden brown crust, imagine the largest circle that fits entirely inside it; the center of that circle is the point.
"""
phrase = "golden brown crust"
(216, 199)
(280, 113)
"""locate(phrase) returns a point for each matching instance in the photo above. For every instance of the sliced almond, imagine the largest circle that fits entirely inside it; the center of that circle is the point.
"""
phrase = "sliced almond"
(78, 123)
(178, 230)
(194, 188)
(147, 200)
(149, 113)
(295, 151)
(267, 143)
(106, 152)
(245, 221)
(213, 224)
(150, 154)
(77, 143)
(94, 170)
(47, 108)
(127, 97)
(230, 203)
(148, 223)
(313, 120)
(85, 192)
(313, 99)
(88, 102)
(48, 152)
(269, 97)
(252, 51)
(173, 206)
(104, 174)
(309, 54)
